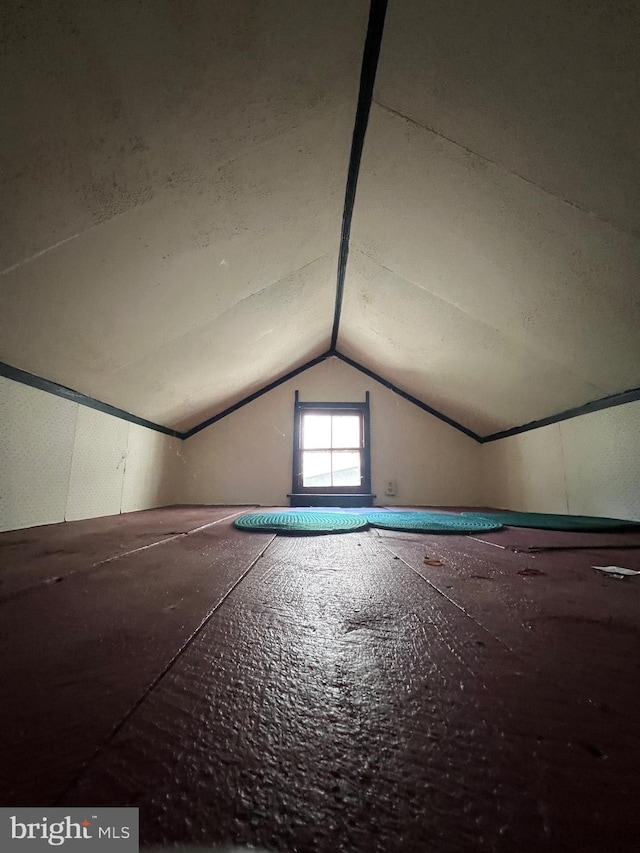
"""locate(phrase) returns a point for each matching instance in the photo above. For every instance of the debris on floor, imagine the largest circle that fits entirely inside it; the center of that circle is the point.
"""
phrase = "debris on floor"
(429, 562)
(538, 549)
(616, 571)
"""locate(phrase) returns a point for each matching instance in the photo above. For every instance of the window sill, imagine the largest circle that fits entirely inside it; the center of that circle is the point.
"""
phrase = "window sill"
(341, 500)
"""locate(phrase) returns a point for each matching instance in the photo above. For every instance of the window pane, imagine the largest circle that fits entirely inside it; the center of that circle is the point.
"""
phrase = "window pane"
(316, 469)
(316, 431)
(346, 431)
(345, 469)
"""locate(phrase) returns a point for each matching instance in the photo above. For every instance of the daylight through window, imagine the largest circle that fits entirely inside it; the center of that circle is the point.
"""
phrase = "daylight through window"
(331, 450)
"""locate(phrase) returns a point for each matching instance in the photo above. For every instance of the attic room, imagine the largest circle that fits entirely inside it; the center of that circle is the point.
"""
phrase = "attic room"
(320, 422)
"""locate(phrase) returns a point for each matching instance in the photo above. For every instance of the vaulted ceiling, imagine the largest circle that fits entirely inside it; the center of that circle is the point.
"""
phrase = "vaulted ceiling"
(173, 183)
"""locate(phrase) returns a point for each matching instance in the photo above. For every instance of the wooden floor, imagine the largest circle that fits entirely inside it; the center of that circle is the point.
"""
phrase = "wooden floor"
(324, 693)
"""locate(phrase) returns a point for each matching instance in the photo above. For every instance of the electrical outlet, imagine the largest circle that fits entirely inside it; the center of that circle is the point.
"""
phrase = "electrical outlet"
(390, 489)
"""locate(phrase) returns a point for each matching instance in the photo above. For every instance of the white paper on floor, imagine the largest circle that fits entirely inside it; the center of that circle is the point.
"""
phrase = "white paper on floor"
(616, 570)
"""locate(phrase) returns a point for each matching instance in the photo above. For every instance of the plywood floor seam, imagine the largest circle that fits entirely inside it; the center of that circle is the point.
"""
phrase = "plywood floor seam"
(327, 693)
(22, 572)
(448, 598)
(146, 692)
(520, 652)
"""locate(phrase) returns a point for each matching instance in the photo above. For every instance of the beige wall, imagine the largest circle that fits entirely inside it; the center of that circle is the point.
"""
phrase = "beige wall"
(588, 465)
(62, 461)
(247, 456)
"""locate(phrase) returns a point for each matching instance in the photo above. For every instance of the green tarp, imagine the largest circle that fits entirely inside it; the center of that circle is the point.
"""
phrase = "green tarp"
(549, 521)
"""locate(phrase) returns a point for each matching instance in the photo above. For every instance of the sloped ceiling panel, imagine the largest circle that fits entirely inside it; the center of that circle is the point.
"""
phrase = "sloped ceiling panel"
(174, 181)
(464, 367)
(494, 257)
(227, 358)
(546, 90)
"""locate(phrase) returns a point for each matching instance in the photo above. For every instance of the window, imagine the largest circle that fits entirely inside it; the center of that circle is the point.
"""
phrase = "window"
(331, 448)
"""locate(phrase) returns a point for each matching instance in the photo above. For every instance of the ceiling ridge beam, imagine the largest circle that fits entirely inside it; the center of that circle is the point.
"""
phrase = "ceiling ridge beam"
(609, 402)
(416, 402)
(42, 384)
(370, 57)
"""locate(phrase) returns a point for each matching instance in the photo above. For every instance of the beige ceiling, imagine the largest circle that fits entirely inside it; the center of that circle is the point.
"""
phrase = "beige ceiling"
(173, 180)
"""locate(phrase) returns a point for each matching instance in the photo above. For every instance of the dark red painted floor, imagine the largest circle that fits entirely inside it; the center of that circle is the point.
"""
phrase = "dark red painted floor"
(325, 693)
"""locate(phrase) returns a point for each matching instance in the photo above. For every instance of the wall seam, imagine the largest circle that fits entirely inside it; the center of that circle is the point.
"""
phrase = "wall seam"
(73, 451)
(564, 469)
(124, 467)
